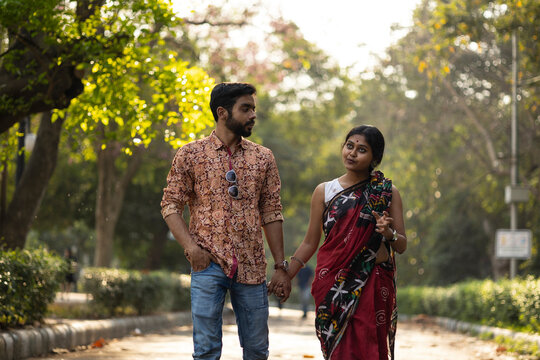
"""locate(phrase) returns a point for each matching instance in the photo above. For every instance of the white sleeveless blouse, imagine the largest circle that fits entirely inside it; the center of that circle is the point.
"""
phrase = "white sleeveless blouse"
(331, 188)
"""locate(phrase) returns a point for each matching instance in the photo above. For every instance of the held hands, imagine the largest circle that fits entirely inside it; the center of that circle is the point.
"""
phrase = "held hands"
(383, 224)
(280, 285)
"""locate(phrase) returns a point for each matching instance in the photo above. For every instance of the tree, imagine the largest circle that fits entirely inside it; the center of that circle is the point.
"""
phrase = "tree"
(50, 43)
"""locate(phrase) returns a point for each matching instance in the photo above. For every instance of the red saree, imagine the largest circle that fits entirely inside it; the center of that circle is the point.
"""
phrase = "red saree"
(355, 299)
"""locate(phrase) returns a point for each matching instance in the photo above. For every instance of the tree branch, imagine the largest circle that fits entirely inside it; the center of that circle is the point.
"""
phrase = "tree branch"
(206, 21)
(471, 116)
(87, 8)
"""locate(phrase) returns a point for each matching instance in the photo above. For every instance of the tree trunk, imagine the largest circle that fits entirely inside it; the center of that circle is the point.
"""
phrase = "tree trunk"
(31, 188)
(112, 187)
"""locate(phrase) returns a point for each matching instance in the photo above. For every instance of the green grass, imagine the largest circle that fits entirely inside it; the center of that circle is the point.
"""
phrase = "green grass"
(528, 349)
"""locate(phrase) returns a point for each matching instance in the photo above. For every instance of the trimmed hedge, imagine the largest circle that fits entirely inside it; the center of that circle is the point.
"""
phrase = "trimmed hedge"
(29, 280)
(116, 291)
(506, 303)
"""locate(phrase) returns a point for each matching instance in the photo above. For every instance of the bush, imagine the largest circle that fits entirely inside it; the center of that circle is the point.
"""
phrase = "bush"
(119, 291)
(107, 287)
(145, 292)
(505, 303)
(29, 280)
(176, 294)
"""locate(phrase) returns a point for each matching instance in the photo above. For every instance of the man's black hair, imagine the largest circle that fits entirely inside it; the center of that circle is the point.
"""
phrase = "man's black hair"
(226, 94)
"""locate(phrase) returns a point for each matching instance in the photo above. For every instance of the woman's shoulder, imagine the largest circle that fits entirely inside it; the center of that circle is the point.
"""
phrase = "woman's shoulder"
(319, 188)
(395, 191)
(318, 196)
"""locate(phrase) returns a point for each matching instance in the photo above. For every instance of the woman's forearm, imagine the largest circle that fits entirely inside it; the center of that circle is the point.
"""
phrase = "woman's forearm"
(301, 256)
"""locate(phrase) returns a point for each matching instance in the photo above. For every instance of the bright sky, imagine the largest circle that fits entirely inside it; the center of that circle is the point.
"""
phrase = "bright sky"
(351, 31)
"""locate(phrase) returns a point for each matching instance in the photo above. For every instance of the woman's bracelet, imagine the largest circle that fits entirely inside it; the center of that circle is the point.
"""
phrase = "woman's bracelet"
(300, 261)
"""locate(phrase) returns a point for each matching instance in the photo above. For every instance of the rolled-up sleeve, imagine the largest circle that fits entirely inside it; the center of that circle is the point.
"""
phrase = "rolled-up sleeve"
(179, 185)
(270, 202)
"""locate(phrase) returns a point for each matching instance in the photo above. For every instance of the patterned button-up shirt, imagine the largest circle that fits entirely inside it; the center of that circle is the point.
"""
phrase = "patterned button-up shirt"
(230, 229)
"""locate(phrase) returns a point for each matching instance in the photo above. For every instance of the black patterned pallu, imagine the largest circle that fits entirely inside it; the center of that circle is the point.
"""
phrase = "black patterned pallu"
(355, 299)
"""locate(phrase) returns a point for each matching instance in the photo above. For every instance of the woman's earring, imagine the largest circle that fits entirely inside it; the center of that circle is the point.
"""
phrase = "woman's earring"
(374, 164)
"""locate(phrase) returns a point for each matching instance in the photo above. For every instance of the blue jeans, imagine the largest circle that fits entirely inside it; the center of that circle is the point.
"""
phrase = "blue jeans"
(250, 305)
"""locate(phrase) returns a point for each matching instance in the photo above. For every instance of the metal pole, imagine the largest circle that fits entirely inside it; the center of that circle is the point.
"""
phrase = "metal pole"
(514, 148)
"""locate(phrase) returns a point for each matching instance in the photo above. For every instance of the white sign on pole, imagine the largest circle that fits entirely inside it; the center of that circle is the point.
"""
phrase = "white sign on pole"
(514, 244)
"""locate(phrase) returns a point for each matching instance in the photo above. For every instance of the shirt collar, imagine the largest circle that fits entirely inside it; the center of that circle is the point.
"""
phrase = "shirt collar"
(216, 142)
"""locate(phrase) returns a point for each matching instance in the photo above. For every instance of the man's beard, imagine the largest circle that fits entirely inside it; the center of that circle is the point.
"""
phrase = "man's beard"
(237, 127)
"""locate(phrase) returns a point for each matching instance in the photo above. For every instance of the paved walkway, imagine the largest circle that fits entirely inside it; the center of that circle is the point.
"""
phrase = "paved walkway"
(290, 338)
(169, 337)
(72, 298)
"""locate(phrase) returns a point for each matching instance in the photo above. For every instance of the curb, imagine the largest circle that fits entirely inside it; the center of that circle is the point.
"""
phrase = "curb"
(465, 327)
(461, 326)
(22, 344)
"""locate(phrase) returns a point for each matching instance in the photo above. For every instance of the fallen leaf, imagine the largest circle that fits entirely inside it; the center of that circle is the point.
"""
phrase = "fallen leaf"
(99, 343)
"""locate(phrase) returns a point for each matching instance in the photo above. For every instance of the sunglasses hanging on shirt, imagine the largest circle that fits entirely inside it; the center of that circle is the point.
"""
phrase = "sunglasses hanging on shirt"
(231, 177)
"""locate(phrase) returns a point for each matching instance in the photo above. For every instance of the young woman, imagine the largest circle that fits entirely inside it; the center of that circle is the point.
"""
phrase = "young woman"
(361, 215)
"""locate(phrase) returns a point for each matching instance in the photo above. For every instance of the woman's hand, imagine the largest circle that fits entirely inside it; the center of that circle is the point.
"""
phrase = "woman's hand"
(383, 224)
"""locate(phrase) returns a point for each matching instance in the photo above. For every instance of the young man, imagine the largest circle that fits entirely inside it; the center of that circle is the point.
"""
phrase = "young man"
(231, 186)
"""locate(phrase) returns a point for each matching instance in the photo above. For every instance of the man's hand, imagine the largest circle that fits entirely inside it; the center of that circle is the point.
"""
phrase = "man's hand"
(280, 285)
(198, 257)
